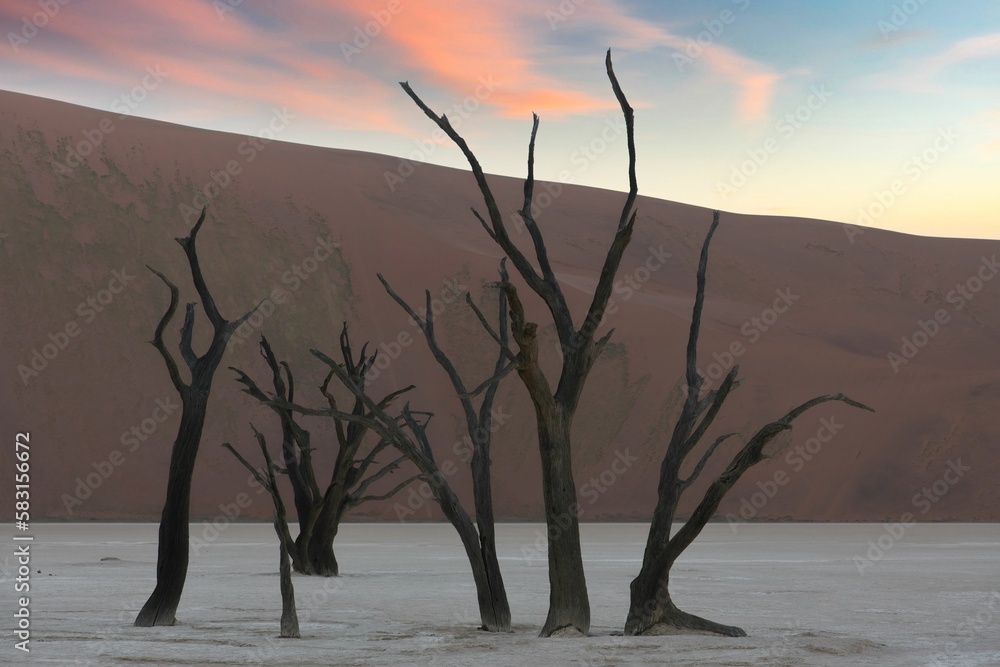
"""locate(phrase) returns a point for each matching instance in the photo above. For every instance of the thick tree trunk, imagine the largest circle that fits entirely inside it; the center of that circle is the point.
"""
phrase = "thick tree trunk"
(569, 605)
(653, 612)
(174, 535)
(314, 544)
(319, 544)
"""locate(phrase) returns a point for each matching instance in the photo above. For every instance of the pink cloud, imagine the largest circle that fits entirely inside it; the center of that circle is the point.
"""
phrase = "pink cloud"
(455, 44)
(222, 62)
(293, 56)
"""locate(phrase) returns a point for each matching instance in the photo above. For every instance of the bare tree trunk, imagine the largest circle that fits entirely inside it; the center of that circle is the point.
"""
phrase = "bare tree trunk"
(172, 552)
(414, 445)
(494, 610)
(289, 617)
(319, 548)
(569, 606)
(651, 609)
(319, 513)
(480, 543)
(173, 546)
(660, 615)
(496, 606)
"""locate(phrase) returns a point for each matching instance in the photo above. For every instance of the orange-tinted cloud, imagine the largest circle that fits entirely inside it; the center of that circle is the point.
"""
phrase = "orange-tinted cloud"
(455, 44)
(260, 55)
(222, 62)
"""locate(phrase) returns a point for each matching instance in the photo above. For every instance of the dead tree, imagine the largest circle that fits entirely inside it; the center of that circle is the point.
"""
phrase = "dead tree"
(173, 552)
(407, 432)
(479, 424)
(569, 605)
(289, 617)
(651, 608)
(320, 511)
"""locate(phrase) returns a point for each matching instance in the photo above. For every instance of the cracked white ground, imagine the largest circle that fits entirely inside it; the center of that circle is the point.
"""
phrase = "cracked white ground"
(407, 598)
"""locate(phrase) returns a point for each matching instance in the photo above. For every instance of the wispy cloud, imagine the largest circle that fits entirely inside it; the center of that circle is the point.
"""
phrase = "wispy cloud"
(754, 81)
(925, 74)
(878, 40)
(454, 43)
(229, 61)
(261, 54)
(971, 48)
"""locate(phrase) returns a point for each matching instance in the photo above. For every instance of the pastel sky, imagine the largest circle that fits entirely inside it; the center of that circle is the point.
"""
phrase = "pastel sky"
(784, 107)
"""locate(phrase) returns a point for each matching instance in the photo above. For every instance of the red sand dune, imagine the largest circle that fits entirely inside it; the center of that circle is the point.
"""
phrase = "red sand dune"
(78, 236)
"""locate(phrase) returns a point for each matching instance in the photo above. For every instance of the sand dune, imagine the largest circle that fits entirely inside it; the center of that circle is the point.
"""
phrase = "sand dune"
(848, 301)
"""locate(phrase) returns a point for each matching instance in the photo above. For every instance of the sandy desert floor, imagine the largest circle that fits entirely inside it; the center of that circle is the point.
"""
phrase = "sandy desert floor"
(407, 598)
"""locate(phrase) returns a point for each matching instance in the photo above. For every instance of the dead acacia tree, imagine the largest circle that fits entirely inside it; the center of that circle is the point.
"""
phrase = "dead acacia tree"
(569, 605)
(479, 424)
(265, 477)
(319, 511)
(173, 550)
(407, 432)
(651, 608)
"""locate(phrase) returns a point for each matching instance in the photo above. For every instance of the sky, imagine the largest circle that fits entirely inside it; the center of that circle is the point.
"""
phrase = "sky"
(868, 112)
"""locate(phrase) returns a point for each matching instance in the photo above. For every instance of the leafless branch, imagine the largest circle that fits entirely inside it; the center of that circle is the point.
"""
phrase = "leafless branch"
(157, 341)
